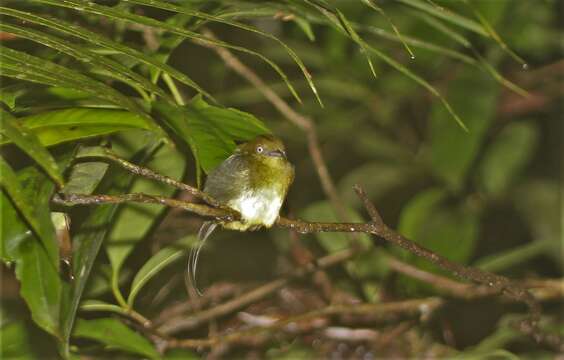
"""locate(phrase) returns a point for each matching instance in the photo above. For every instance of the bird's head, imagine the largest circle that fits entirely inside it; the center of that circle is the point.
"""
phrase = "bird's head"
(265, 148)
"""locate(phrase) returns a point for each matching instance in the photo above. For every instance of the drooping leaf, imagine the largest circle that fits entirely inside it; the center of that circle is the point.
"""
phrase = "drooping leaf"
(28, 142)
(23, 341)
(151, 268)
(453, 151)
(114, 333)
(102, 63)
(506, 157)
(211, 131)
(32, 68)
(30, 192)
(99, 40)
(138, 19)
(87, 243)
(39, 279)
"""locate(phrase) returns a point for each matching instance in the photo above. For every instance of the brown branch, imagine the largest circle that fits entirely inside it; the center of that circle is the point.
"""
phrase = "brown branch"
(254, 295)
(382, 310)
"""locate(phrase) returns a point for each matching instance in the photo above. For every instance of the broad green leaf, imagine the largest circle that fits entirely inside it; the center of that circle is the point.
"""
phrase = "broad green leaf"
(151, 268)
(99, 40)
(23, 341)
(506, 157)
(539, 205)
(30, 192)
(28, 142)
(135, 220)
(453, 151)
(38, 277)
(54, 127)
(377, 178)
(448, 229)
(211, 131)
(85, 177)
(114, 333)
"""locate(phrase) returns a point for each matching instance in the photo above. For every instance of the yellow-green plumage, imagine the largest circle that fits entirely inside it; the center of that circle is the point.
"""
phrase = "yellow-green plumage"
(254, 181)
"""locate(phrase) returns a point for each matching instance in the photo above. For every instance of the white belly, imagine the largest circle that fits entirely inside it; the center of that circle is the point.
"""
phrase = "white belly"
(259, 207)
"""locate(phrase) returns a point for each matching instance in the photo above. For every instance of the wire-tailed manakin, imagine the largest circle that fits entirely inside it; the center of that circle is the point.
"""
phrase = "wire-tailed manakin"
(254, 180)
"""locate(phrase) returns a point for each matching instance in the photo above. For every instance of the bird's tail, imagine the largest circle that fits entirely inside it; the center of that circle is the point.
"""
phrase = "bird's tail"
(190, 277)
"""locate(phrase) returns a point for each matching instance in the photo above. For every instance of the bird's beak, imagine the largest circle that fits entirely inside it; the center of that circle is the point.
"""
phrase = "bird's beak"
(277, 153)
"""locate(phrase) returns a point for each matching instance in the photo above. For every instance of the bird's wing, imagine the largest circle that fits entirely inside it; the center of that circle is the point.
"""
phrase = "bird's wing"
(228, 179)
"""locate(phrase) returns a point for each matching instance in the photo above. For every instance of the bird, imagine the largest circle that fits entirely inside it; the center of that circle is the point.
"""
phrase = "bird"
(254, 181)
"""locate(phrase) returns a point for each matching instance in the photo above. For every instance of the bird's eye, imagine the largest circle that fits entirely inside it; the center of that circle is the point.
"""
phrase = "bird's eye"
(260, 149)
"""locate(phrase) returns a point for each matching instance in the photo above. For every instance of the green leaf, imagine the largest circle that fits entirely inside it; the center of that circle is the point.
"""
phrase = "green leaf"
(183, 10)
(109, 66)
(449, 16)
(448, 229)
(32, 68)
(115, 334)
(54, 127)
(151, 268)
(211, 131)
(377, 178)
(87, 243)
(29, 143)
(21, 340)
(31, 192)
(506, 157)
(135, 220)
(39, 279)
(9, 94)
(115, 13)
(98, 40)
(85, 177)
(453, 151)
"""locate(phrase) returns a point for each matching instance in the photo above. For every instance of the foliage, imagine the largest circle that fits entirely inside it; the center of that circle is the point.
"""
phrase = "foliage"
(470, 172)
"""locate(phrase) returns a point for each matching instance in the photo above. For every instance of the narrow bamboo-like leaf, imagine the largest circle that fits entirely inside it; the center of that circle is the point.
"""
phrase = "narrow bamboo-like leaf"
(171, 7)
(151, 268)
(31, 64)
(98, 40)
(54, 127)
(481, 61)
(373, 5)
(30, 204)
(448, 16)
(29, 143)
(114, 333)
(355, 37)
(138, 19)
(112, 67)
(494, 35)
